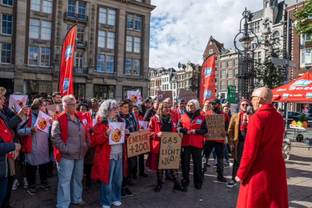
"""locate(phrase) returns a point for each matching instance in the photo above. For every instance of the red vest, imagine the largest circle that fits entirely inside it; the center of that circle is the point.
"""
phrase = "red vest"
(63, 122)
(194, 140)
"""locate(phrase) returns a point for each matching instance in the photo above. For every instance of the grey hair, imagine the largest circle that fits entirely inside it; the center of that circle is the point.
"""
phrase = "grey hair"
(195, 102)
(67, 98)
(106, 107)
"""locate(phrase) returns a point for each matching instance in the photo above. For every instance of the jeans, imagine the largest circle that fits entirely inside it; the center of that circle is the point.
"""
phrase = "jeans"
(69, 188)
(3, 189)
(111, 192)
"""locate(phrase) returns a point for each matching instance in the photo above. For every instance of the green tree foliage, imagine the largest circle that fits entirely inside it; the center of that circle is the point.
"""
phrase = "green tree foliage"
(304, 18)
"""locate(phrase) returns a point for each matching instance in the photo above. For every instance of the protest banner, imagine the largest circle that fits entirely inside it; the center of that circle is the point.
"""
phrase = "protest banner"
(134, 96)
(43, 122)
(54, 110)
(138, 143)
(117, 134)
(216, 127)
(16, 102)
(170, 151)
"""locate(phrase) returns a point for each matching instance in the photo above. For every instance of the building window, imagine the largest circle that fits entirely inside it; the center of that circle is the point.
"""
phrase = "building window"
(107, 16)
(80, 90)
(39, 56)
(133, 44)
(306, 37)
(7, 21)
(307, 56)
(230, 73)
(223, 74)
(80, 33)
(134, 22)
(76, 7)
(106, 40)
(6, 53)
(7, 2)
(105, 63)
(44, 6)
(132, 66)
(79, 60)
(104, 91)
(235, 62)
(40, 29)
(223, 85)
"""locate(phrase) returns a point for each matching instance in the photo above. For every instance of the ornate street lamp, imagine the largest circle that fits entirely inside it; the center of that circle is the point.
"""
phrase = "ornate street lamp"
(245, 43)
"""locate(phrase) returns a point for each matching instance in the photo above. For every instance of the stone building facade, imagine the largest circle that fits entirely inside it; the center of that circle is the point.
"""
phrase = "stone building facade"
(112, 45)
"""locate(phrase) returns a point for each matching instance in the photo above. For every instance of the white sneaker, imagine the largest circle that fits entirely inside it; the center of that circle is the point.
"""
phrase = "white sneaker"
(105, 206)
(15, 185)
(117, 203)
(25, 183)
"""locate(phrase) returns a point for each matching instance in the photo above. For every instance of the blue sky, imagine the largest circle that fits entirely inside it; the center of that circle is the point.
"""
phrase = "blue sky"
(180, 29)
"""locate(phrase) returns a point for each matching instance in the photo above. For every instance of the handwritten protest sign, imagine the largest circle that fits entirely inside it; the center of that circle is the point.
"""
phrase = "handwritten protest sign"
(161, 95)
(43, 122)
(117, 134)
(170, 151)
(16, 102)
(216, 127)
(138, 143)
(187, 95)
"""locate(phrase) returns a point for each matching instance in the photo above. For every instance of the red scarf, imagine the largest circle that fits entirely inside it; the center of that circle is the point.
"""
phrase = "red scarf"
(243, 121)
(26, 141)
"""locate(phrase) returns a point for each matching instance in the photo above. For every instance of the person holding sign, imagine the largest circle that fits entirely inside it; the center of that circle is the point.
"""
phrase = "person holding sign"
(161, 122)
(217, 144)
(108, 159)
(35, 145)
(193, 127)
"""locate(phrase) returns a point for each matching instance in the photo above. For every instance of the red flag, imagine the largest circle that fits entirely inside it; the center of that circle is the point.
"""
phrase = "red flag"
(66, 84)
(208, 80)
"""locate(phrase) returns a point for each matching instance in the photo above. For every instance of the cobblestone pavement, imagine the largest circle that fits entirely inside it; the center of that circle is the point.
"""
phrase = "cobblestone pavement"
(214, 195)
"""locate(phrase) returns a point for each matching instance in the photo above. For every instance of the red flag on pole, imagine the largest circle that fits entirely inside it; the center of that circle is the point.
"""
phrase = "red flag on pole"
(66, 82)
(208, 80)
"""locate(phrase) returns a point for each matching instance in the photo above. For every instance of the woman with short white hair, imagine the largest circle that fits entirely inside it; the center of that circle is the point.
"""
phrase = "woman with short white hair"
(107, 164)
(71, 140)
(192, 126)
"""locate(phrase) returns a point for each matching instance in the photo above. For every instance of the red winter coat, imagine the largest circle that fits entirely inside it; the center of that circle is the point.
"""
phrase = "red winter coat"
(101, 161)
(262, 168)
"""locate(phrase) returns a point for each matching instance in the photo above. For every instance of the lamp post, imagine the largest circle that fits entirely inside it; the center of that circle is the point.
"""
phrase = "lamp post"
(245, 43)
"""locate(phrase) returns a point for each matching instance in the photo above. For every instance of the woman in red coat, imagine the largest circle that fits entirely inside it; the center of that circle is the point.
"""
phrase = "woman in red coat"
(262, 171)
(161, 122)
(108, 159)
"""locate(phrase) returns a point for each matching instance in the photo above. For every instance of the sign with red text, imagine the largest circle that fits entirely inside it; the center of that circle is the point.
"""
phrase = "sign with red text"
(138, 143)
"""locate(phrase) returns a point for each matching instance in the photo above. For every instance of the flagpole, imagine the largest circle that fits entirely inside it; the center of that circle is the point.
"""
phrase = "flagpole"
(59, 77)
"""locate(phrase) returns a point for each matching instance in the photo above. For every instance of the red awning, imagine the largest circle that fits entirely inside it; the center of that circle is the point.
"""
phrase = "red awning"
(297, 91)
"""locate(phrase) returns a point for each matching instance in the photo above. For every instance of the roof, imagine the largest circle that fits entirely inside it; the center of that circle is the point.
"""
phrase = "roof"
(257, 15)
(220, 47)
(280, 12)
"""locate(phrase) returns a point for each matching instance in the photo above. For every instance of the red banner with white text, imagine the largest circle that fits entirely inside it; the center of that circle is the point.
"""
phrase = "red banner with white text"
(66, 82)
(208, 80)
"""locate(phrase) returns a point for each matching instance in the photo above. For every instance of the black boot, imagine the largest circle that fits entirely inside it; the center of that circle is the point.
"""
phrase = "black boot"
(157, 187)
(178, 187)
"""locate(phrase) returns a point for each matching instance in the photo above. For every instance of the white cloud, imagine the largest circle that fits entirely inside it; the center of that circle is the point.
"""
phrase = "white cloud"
(180, 29)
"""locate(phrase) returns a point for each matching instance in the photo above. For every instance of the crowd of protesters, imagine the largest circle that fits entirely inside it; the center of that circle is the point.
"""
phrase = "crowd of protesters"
(78, 152)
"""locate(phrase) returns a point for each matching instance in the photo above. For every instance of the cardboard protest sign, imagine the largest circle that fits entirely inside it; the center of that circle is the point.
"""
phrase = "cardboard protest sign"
(216, 127)
(117, 135)
(16, 102)
(187, 95)
(134, 96)
(54, 110)
(161, 95)
(143, 124)
(43, 122)
(138, 143)
(170, 151)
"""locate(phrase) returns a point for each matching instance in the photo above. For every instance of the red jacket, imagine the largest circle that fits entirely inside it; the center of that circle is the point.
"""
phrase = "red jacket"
(155, 128)
(262, 169)
(26, 141)
(194, 140)
(101, 160)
